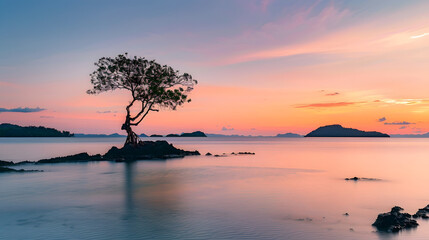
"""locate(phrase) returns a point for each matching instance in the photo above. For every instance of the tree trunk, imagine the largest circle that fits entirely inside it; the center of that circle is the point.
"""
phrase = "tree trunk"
(132, 137)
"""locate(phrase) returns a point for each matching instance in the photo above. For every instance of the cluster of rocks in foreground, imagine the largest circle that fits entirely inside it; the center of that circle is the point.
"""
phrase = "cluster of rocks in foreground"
(145, 150)
(395, 220)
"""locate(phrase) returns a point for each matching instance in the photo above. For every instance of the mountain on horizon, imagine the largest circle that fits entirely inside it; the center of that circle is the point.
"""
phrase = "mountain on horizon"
(337, 130)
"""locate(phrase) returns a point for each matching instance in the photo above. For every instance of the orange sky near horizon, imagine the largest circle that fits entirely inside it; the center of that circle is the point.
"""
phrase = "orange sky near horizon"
(317, 64)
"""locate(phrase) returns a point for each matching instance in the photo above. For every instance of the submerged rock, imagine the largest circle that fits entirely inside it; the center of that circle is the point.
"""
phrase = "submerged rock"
(422, 213)
(394, 221)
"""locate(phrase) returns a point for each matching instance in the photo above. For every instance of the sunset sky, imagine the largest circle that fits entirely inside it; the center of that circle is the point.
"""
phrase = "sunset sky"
(264, 66)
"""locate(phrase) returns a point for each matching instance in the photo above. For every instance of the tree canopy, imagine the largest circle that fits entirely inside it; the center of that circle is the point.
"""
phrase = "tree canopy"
(151, 84)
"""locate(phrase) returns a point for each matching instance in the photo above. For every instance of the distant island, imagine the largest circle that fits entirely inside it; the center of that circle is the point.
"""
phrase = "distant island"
(289, 135)
(11, 130)
(192, 134)
(339, 131)
(82, 135)
(424, 135)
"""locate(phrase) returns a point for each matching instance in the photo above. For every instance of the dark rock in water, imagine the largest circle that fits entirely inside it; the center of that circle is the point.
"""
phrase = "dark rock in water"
(339, 131)
(352, 179)
(422, 213)
(147, 150)
(143, 151)
(394, 221)
(361, 179)
(156, 135)
(6, 169)
(81, 157)
(208, 154)
(246, 153)
(194, 134)
(6, 163)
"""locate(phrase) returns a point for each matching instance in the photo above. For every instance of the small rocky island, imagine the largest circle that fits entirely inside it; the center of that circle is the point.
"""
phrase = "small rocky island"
(144, 150)
(11, 130)
(192, 134)
(337, 130)
(394, 221)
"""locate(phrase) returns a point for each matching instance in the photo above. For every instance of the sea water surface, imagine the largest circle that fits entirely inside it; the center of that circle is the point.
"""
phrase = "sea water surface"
(290, 189)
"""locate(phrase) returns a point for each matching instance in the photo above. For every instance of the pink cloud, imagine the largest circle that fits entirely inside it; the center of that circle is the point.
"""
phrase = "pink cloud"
(328, 105)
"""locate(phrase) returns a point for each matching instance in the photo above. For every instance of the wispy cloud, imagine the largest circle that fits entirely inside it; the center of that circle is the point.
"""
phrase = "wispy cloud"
(22, 110)
(403, 127)
(332, 94)
(398, 123)
(421, 35)
(327, 105)
(403, 101)
(227, 129)
(104, 112)
(382, 119)
(46, 116)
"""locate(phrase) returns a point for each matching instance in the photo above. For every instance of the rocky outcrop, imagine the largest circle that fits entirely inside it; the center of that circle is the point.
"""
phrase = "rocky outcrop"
(394, 221)
(147, 150)
(81, 157)
(361, 179)
(422, 213)
(6, 163)
(11, 170)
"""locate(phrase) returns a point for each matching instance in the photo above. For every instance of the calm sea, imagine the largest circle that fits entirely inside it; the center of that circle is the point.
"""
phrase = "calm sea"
(291, 189)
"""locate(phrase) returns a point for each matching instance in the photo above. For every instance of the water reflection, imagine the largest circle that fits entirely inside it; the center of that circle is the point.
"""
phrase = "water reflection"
(152, 200)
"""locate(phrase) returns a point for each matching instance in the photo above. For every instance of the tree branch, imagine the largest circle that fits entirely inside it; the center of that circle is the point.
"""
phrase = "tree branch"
(144, 115)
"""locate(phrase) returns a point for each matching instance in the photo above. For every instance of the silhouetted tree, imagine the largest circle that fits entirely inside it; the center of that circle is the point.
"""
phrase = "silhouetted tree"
(151, 84)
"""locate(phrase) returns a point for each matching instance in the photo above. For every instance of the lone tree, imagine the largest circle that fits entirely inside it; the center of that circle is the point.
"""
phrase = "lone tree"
(152, 86)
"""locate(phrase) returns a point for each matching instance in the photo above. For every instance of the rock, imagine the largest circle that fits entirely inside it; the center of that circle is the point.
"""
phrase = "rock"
(246, 153)
(147, 150)
(6, 163)
(353, 179)
(6, 169)
(155, 135)
(361, 179)
(394, 221)
(81, 157)
(208, 154)
(422, 213)
(346, 214)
